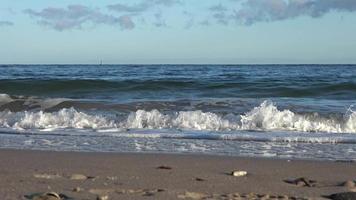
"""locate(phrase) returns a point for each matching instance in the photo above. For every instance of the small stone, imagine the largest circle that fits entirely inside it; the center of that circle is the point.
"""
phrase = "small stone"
(112, 178)
(105, 197)
(283, 197)
(78, 177)
(251, 195)
(45, 196)
(300, 183)
(239, 173)
(230, 196)
(236, 194)
(164, 167)
(77, 189)
(46, 176)
(343, 196)
(192, 195)
(349, 184)
(264, 197)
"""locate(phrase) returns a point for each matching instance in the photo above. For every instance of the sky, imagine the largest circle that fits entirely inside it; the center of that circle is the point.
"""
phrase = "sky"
(178, 31)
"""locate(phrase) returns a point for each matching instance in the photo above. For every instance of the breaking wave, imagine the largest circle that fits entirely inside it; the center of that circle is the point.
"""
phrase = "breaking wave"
(265, 117)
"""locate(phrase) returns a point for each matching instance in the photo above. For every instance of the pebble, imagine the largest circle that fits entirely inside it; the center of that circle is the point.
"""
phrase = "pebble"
(300, 183)
(349, 184)
(78, 177)
(283, 197)
(164, 167)
(239, 173)
(77, 189)
(192, 195)
(343, 196)
(47, 176)
(106, 197)
(47, 196)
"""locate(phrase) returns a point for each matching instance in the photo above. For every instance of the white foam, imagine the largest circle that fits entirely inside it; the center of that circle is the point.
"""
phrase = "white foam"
(65, 118)
(268, 117)
(199, 120)
(265, 117)
(151, 120)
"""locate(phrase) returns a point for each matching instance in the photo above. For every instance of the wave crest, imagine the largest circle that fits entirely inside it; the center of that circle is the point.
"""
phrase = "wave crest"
(65, 118)
(268, 117)
(265, 117)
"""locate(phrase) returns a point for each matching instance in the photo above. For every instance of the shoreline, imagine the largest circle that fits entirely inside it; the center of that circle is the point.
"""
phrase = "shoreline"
(187, 154)
(87, 175)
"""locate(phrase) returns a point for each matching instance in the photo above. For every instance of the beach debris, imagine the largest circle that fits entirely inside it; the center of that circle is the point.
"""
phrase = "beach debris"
(164, 167)
(47, 196)
(47, 176)
(349, 184)
(239, 173)
(192, 195)
(343, 196)
(302, 182)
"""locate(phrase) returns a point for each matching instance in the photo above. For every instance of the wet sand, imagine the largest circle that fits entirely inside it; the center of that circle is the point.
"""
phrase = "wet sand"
(24, 173)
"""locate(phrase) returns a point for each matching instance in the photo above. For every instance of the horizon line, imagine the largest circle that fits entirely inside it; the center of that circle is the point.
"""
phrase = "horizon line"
(99, 64)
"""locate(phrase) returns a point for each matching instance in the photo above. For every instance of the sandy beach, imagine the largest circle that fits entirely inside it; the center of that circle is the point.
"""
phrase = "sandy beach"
(28, 174)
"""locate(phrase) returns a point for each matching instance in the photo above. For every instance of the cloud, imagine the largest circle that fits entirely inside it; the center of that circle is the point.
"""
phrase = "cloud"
(142, 6)
(253, 11)
(159, 20)
(219, 13)
(145, 6)
(6, 23)
(76, 17)
(190, 22)
(154, 12)
(218, 8)
(126, 22)
(205, 23)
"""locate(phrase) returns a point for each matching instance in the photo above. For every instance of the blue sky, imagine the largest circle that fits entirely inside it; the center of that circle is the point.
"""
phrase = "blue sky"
(177, 31)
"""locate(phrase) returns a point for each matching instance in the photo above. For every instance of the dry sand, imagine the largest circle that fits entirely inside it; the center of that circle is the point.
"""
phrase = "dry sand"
(165, 176)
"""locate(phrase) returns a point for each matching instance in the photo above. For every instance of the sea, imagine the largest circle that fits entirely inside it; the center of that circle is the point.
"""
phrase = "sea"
(275, 111)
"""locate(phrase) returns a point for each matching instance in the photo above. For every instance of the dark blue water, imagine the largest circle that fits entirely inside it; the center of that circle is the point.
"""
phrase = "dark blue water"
(208, 108)
(162, 82)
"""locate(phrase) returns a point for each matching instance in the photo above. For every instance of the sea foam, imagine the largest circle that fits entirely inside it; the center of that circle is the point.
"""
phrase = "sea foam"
(265, 117)
(65, 118)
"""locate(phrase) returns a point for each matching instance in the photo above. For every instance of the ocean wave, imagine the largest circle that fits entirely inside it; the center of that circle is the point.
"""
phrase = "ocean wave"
(65, 118)
(79, 88)
(265, 117)
(23, 103)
